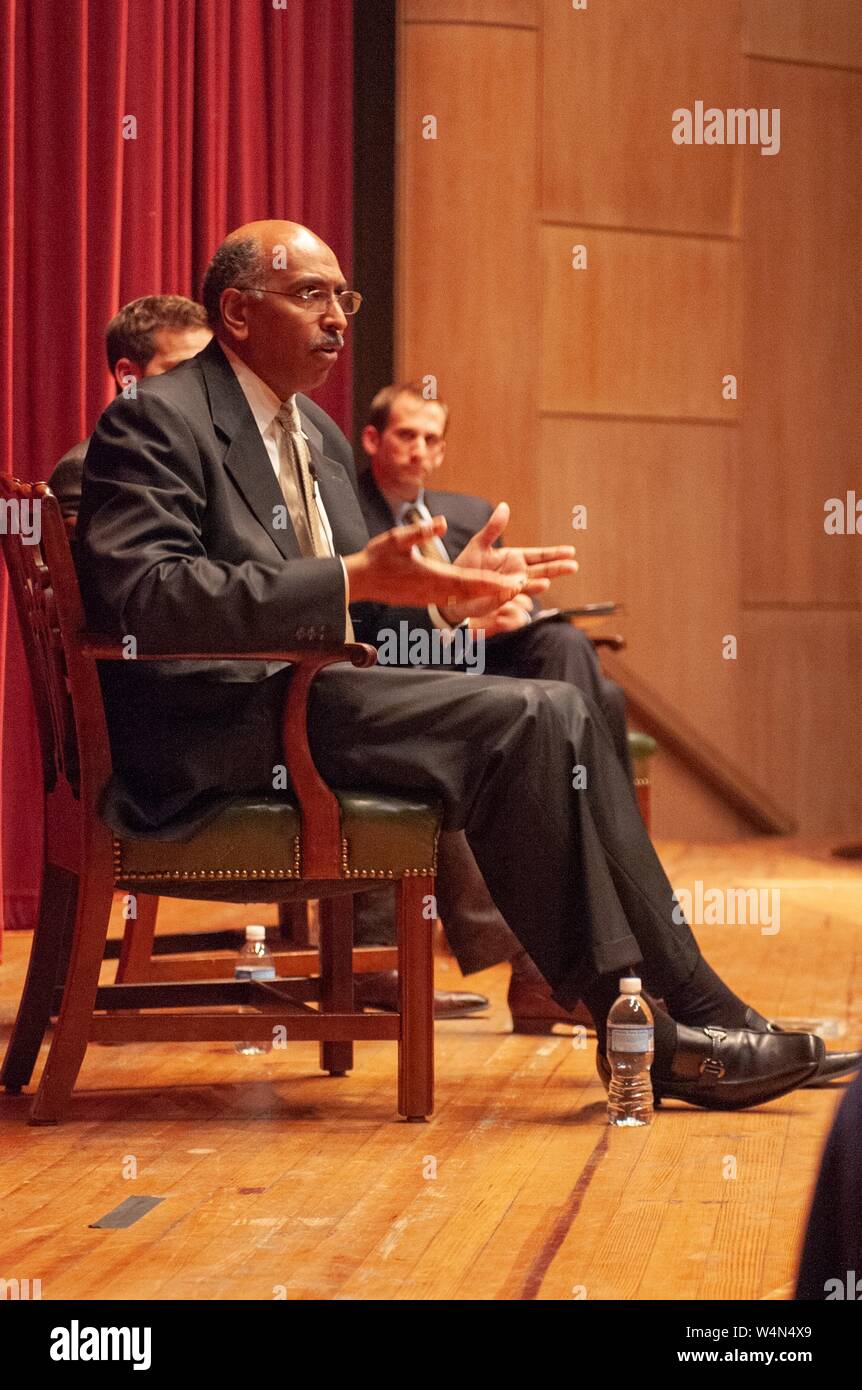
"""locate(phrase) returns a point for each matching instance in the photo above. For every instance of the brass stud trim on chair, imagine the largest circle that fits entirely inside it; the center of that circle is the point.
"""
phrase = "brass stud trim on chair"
(347, 872)
(208, 875)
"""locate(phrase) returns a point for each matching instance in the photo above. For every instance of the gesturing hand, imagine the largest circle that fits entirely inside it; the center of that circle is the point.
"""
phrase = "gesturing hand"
(507, 618)
(391, 571)
(541, 564)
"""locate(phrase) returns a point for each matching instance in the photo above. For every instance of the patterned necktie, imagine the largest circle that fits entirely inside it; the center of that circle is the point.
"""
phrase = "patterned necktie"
(432, 547)
(297, 486)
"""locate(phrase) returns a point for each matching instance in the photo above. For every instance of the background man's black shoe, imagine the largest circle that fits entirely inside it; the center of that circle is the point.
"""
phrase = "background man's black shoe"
(380, 991)
(732, 1068)
(834, 1064)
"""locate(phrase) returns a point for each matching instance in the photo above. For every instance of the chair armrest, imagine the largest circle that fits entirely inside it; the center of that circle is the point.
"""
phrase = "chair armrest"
(99, 648)
(320, 832)
(613, 640)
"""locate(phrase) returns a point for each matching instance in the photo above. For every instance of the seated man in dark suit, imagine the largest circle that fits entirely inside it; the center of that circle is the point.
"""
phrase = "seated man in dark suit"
(150, 336)
(405, 439)
(147, 337)
(182, 545)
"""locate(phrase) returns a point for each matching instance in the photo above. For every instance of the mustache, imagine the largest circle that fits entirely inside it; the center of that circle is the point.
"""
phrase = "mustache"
(334, 342)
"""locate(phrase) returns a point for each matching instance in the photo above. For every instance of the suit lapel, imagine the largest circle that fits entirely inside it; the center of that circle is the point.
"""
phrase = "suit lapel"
(248, 464)
(349, 532)
(246, 459)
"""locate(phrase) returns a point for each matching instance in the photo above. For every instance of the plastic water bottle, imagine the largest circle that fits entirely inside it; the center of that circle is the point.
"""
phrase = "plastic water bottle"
(630, 1046)
(254, 962)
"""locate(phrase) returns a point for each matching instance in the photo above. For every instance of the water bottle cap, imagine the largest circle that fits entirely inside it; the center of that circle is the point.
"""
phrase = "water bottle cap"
(630, 984)
(255, 933)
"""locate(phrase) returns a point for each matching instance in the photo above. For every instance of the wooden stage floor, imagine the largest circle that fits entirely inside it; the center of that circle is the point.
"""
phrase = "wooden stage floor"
(279, 1182)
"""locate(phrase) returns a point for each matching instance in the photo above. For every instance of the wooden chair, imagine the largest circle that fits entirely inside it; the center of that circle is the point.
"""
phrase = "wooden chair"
(142, 955)
(325, 845)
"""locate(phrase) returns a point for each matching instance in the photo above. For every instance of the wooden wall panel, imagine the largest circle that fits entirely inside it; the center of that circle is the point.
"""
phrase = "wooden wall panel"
(682, 805)
(521, 12)
(469, 286)
(584, 386)
(612, 77)
(811, 31)
(799, 713)
(801, 388)
(661, 538)
(649, 328)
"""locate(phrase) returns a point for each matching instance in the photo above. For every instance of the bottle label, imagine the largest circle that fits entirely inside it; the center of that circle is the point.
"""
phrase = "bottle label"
(630, 1037)
(255, 972)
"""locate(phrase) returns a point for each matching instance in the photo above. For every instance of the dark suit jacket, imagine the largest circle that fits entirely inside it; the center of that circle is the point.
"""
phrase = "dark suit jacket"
(65, 481)
(179, 548)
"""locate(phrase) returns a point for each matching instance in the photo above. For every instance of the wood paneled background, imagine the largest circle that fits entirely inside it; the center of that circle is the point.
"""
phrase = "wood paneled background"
(602, 386)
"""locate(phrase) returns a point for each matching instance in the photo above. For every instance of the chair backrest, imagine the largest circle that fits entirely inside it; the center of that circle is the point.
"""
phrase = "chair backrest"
(30, 580)
(47, 598)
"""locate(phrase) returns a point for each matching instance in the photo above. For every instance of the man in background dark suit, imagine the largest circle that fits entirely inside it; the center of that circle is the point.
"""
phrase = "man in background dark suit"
(147, 337)
(183, 543)
(405, 440)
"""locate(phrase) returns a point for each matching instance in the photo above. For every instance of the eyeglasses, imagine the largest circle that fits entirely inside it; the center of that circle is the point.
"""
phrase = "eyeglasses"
(315, 301)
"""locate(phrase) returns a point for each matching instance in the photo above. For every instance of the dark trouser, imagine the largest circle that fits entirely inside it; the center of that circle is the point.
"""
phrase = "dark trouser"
(477, 933)
(572, 870)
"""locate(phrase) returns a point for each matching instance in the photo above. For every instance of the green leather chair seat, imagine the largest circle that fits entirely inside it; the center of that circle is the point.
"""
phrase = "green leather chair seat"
(640, 745)
(249, 852)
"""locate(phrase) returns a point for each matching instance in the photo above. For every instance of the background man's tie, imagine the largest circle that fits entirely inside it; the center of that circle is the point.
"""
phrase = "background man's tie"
(432, 547)
(297, 486)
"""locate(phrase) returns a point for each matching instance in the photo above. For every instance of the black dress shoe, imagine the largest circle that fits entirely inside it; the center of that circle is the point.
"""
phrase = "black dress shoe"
(732, 1068)
(380, 991)
(834, 1064)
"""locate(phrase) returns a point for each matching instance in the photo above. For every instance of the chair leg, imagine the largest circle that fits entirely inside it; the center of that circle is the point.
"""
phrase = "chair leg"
(336, 976)
(56, 915)
(138, 937)
(293, 924)
(415, 998)
(71, 1033)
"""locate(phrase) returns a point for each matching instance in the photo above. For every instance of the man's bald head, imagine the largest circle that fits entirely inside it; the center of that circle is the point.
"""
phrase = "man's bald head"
(269, 292)
(249, 253)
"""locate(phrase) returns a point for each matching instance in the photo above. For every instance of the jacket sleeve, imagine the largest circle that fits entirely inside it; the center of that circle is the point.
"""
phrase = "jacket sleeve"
(149, 558)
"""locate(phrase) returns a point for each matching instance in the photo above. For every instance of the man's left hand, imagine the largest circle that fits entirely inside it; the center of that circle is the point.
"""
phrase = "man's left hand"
(509, 617)
(541, 564)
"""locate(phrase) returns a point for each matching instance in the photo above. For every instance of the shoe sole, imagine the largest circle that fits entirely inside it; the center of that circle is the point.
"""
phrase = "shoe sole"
(823, 1082)
(723, 1099)
(720, 1099)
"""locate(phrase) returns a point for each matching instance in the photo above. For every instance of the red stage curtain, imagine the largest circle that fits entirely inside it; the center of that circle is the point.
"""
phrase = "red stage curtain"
(241, 109)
